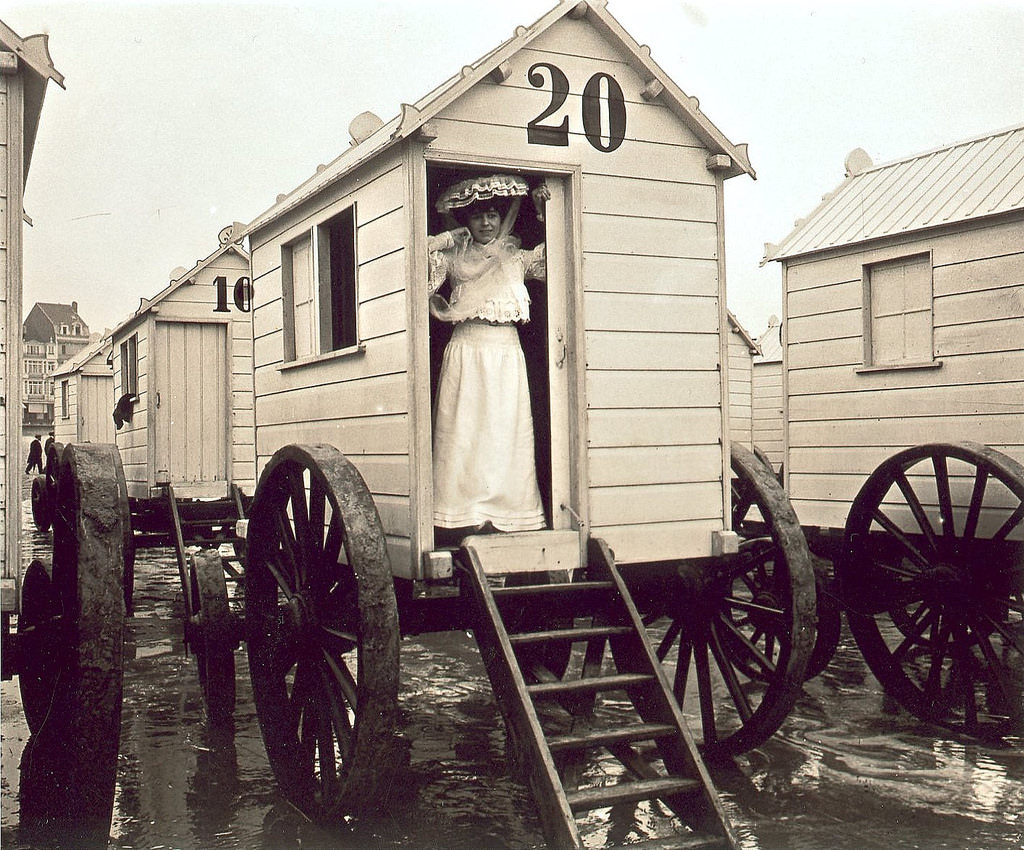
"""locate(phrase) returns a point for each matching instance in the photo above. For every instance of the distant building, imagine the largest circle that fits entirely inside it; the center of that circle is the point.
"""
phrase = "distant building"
(51, 335)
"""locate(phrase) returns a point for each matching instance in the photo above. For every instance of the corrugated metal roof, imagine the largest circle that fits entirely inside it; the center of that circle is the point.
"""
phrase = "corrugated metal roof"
(965, 181)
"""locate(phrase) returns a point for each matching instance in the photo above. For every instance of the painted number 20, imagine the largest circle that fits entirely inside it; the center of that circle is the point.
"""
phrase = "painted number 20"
(600, 87)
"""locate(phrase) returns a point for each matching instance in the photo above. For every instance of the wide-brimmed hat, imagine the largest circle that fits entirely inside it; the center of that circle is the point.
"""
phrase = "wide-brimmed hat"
(467, 192)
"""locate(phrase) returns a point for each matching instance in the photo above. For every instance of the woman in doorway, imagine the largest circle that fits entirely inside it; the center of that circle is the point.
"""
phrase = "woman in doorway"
(485, 475)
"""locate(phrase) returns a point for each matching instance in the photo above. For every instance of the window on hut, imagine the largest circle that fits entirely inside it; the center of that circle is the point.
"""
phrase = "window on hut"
(318, 274)
(64, 399)
(898, 311)
(130, 365)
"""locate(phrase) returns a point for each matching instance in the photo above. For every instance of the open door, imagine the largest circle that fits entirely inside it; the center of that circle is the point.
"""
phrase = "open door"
(546, 338)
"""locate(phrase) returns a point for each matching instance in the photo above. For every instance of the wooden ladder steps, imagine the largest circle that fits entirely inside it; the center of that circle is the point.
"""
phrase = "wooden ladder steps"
(577, 634)
(602, 796)
(540, 591)
(605, 737)
(590, 684)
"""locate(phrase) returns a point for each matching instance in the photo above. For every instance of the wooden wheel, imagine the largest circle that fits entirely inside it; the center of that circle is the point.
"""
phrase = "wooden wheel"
(212, 635)
(322, 632)
(742, 636)
(42, 509)
(38, 650)
(932, 572)
(69, 770)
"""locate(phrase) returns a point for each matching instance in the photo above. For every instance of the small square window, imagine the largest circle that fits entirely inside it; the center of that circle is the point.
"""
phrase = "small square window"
(898, 312)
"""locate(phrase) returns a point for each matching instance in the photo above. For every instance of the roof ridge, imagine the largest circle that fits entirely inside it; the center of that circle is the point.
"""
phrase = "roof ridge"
(1005, 131)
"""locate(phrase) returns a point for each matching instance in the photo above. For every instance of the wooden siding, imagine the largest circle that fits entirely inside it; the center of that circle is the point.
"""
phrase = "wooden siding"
(740, 391)
(843, 421)
(11, 183)
(651, 294)
(646, 236)
(194, 302)
(357, 401)
(767, 410)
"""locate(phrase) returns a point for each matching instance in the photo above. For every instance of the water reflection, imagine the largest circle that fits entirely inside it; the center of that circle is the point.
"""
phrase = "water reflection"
(848, 770)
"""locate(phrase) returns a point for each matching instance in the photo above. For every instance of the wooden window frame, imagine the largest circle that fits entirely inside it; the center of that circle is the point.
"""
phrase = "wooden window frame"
(130, 366)
(64, 412)
(328, 338)
(868, 318)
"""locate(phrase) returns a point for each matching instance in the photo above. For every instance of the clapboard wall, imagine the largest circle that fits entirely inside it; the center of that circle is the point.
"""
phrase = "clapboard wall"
(643, 227)
(843, 419)
(193, 300)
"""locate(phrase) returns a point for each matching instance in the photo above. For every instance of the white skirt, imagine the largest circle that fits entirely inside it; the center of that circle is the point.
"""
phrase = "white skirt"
(484, 466)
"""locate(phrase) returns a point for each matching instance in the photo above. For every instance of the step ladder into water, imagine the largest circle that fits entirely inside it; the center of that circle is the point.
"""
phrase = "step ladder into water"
(580, 689)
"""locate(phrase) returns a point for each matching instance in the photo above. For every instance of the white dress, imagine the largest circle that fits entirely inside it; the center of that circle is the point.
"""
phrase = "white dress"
(484, 465)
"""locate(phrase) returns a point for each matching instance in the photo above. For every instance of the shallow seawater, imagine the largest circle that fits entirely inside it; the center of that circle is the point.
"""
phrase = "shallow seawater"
(848, 769)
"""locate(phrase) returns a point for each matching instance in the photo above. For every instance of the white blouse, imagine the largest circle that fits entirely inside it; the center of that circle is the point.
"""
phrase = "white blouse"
(486, 280)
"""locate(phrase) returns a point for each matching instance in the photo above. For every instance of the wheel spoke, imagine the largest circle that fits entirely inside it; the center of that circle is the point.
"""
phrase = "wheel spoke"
(280, 579)
(914, 503)
(755, 607)
(317, 513)
(300, 517)
(897, 533)
(977, 498)
(924, 617)
(761, 659)
(289, 549)
(996, 672)
(674, 628)
(728, 672)
(707, 699)
(1011, 523)
(683, 662)
(945, 498)
(939, 645)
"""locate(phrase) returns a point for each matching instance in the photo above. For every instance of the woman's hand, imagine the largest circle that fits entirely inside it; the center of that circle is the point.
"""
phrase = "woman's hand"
(540, 195)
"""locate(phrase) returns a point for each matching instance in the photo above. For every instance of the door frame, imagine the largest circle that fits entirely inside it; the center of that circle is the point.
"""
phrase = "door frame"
(570, 495)
(203, 489)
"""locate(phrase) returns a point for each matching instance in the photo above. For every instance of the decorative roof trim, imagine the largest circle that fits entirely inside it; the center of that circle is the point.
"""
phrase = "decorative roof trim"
(146, 305)
(413, 116)
(742, 331)
(33, 50)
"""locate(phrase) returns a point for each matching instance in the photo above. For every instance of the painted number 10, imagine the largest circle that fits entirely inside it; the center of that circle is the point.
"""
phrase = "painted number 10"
(600, 91)
(242, 294)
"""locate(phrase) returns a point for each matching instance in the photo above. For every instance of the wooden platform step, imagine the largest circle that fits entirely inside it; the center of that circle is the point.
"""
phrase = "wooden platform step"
(590, 685)
(573, 635)
(602, 737)
(602, 796)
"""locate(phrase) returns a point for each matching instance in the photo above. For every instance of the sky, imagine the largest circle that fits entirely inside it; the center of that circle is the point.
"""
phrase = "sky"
(178, 119)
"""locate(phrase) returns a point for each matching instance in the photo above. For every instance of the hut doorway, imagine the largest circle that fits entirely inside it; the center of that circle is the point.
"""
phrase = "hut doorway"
(544, 338)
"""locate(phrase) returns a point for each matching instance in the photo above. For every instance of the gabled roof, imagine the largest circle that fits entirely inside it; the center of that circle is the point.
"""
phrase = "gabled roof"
(98, 347)
(60, 314)
(770, 342)
(34, 56)
(966, 181)
(414, 116)
(742, 331)
(183, 279)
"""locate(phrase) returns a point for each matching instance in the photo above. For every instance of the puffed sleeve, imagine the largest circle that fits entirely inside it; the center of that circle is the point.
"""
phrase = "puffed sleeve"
(437, 260)
(535, 263)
